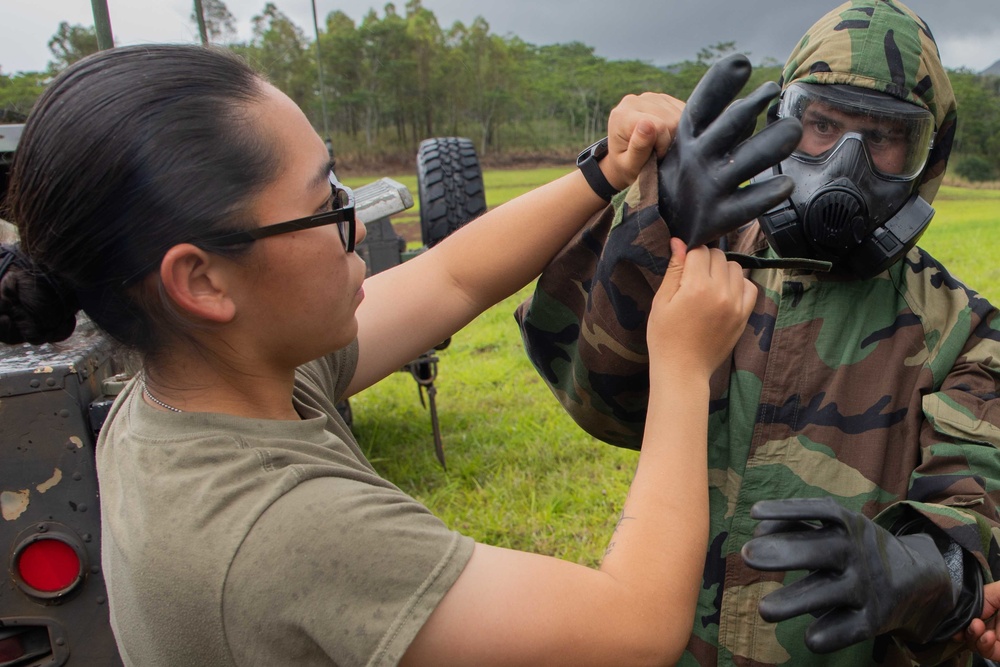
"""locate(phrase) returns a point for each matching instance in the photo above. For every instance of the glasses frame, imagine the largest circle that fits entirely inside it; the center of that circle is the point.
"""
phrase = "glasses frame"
(342, 215)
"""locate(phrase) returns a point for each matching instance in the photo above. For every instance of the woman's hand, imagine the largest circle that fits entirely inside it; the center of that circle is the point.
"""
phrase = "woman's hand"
(699, 311)
(638, 126)
(509, 607)
(981, 635)
(502, 250)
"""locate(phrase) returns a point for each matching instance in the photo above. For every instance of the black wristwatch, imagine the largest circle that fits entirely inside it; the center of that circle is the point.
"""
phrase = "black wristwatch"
(587, 162)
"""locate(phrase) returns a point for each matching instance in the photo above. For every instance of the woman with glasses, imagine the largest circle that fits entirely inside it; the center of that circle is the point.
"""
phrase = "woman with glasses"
(190, 210)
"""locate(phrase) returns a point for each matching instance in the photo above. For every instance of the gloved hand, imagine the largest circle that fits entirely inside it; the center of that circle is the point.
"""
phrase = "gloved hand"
(864, 581)
(699, 186)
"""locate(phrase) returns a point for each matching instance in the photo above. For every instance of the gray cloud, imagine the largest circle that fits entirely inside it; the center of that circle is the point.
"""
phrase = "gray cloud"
(657, 31)
(663, 32)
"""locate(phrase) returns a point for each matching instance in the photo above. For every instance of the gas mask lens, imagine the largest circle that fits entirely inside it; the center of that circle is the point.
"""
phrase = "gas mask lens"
(897, 136)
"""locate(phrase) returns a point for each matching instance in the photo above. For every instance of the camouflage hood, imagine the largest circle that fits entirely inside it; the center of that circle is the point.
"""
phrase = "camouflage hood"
(881, 45)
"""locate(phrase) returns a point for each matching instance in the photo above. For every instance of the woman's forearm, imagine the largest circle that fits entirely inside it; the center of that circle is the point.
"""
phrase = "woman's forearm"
(418, 304)
(510, 245)
(658, 549)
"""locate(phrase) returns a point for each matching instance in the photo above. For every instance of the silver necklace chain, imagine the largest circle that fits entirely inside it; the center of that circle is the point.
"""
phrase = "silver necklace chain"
(154, 399)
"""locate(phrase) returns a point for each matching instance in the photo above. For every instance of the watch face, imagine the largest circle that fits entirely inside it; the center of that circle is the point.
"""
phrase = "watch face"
(595, 152)
(600, 149)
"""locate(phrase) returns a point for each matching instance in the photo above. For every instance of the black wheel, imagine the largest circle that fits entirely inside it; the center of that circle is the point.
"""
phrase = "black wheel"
(450, 186)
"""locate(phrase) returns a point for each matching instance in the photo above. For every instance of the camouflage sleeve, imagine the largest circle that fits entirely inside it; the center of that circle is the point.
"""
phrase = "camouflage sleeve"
(584, 328)
(957, 484)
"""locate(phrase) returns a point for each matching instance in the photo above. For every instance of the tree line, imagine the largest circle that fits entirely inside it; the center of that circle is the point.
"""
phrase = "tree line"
(379, 86)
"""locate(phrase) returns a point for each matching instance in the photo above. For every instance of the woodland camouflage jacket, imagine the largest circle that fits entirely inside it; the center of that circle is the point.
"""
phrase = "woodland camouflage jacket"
(882, 394)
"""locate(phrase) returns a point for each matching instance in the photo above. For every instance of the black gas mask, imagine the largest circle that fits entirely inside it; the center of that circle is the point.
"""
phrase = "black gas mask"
(856, 173)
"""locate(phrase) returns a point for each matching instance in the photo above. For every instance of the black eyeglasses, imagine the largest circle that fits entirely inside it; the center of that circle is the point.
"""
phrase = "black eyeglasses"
(341, 215)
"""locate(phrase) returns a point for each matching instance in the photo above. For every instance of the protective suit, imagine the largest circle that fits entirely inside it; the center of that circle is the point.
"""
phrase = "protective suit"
(880, 393)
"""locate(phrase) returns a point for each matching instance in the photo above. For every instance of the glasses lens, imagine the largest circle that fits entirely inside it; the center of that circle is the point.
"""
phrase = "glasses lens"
(343, 200)
(345, 232)
(897, 135)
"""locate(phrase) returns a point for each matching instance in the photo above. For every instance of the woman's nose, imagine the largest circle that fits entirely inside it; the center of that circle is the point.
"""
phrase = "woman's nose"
(360, 231)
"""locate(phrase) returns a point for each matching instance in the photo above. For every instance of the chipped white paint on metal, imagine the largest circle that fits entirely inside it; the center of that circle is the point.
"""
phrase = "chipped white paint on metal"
(13, 503)
(51, 481)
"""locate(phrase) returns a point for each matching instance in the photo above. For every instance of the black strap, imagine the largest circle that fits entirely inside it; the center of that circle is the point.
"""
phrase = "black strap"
(598, 181)
(588, 164)
(751, 262)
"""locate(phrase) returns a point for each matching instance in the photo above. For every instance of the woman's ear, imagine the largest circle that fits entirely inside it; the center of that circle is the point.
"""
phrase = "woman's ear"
(198, 282)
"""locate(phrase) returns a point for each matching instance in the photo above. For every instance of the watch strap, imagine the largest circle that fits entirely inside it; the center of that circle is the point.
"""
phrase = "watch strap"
(588, 164)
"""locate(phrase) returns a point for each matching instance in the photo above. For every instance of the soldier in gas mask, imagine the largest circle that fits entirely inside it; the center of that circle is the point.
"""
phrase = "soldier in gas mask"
(853, 432)
(857, 200)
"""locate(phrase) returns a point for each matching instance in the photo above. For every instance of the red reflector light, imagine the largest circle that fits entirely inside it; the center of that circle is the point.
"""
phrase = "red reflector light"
(49, 565)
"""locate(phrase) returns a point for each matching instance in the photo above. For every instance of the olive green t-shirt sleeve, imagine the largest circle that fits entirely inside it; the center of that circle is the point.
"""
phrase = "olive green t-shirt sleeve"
(334, 372)
(338, 569)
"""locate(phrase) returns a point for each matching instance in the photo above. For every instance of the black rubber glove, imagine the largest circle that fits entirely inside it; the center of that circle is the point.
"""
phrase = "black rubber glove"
(700, 195)
(864, 581)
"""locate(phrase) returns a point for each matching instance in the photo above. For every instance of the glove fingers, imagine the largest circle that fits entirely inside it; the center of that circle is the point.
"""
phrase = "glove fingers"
(818, 549)
(765, 149)
(799, 509)
(838, 629)
(731, 126)
(812, 595)
(738, 209)
(717, 88)
(771, 527)
(751, 201)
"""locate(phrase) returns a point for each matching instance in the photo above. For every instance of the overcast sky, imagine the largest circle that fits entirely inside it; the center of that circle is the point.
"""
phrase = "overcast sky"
(657, 31)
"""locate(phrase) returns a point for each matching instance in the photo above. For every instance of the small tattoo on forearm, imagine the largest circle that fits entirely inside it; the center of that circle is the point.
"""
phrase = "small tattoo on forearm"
(622, 519)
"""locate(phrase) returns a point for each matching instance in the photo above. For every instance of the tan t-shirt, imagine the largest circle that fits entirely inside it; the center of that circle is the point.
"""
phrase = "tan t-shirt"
(235, 541)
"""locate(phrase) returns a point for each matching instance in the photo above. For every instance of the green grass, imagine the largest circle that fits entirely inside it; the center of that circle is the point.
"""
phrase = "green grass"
(520, 473)
(964, 237)
(501, 184)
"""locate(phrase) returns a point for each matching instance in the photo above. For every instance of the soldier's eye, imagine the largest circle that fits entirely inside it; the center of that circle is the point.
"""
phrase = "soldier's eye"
(877, 138)
(824, 127)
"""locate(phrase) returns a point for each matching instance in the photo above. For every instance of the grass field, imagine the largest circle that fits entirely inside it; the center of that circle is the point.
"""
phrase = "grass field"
(964, 237)
(520, 473)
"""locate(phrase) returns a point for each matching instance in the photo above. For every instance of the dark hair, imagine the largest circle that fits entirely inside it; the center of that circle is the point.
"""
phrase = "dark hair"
(127, 153)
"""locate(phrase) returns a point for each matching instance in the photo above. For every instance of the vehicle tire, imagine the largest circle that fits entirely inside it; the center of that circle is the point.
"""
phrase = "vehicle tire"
(450, 186)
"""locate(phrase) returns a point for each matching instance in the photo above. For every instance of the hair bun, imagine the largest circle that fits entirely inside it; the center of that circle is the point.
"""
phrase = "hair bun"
(34, 307)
